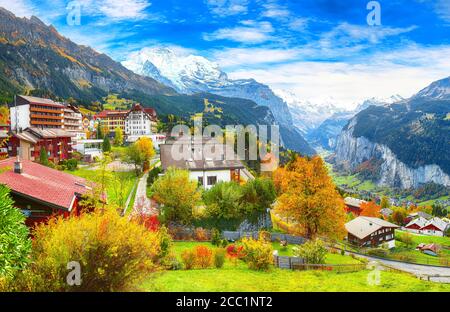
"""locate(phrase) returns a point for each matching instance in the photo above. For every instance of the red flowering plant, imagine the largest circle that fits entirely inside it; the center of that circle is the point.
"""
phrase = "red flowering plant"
(235, 252)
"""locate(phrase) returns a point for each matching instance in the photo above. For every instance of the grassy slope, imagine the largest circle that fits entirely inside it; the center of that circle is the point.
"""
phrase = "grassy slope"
(240, 278)
(111, 187)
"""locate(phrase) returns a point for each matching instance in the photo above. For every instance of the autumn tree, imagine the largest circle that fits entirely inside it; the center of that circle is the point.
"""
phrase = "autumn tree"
(177, 194)
(140, 153)
(308, 197)
(118, 136)
(385, 202)
(370, 209)
(399, 215)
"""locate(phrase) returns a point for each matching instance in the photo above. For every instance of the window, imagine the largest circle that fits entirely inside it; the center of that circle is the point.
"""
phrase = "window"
(212, 180)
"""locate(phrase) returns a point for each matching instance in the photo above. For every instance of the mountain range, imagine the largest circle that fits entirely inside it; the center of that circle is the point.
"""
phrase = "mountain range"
(191, 74)
(35, 59)
(403, 144)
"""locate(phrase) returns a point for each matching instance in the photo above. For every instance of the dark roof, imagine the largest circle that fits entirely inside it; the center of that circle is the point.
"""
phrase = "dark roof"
(56, 188)
(33, 134)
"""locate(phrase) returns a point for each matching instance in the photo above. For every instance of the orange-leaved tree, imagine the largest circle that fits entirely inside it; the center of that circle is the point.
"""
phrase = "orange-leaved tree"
(370, 209)
(308, 197)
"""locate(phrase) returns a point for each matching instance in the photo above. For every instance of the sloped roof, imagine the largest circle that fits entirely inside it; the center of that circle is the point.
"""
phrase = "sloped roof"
(362, 227)
(56, 188)
(421, 222)
(195, 158)
(437, 222)
(38, 100)
(386, 211)
(355, 202)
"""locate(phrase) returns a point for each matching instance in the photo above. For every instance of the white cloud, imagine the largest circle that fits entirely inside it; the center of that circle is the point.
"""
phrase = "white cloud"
(241, 57)
(21, 8)
(115, 9)
(249, 32)
(443, 9)
(404, 71)
(227, 7)
(275, 11)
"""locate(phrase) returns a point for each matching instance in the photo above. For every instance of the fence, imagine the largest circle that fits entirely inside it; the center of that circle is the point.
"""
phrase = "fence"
(295, 263)
(291, 239)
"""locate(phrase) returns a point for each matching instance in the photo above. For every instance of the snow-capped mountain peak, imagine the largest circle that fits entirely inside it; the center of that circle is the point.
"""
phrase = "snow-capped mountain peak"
(186, 73)
(437, 90)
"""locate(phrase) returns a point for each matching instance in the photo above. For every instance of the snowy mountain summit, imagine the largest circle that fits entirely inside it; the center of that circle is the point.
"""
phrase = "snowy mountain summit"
(191, 74)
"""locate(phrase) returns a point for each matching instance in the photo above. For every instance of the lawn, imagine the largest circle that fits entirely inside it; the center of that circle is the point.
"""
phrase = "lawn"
(445, 241)
(113, 188)
(237, 277)
(240, 278)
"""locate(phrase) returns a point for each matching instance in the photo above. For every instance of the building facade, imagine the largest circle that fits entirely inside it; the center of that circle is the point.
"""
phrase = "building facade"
(30, 111)
(73, 122)
(112, 119)
(28, 144)
(139, 122)
(206, 161)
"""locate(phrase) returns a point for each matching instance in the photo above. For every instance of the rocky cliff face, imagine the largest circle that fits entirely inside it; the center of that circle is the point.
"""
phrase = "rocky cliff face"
(35, 56)
(352, 151)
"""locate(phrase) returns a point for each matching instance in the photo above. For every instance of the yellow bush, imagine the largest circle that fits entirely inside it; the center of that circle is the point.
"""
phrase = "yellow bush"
(258, 253)
(114, 254)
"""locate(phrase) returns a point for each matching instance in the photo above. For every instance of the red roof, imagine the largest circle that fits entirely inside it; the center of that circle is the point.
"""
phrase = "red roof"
(106, 113)
(42, 183)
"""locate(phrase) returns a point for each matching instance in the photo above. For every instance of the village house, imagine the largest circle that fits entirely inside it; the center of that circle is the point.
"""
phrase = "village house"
(139, 122)
(4, 138)
(433, 227)
(30, 111)
(371, 232)
(353, 205)
(41, 192)
(135, 123)
(206, 160)
(57, 144)
(89, 149)
(112, 119)
(73, 122)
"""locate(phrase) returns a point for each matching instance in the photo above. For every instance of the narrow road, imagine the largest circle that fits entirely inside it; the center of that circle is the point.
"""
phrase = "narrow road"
(142, 202)
(422, 271)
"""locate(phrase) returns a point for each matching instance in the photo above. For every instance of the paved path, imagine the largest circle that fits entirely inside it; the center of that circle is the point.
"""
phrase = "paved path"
(422, 271)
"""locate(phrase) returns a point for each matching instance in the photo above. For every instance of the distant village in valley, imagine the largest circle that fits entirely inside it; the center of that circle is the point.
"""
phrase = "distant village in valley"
(58, 162)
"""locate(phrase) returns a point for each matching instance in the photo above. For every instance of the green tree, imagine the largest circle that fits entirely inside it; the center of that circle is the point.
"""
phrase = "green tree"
(258, 195)
(118, 136)
(15, 244)
(314, 252)
(385, 202)
(106, 145)
(43, 157)
(177, 194)
(223, 201)
(99, 131)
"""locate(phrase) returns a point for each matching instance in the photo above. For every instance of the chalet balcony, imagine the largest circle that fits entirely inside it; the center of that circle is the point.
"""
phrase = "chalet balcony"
(46, 110)
(36, 116)
(45, 123)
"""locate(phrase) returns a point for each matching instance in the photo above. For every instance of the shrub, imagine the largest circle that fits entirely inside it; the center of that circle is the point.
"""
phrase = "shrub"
(15, 244)
(265, 236)
(203, 256)
(200, 234)
(258, 253)
(114, 254)
(378, 252)
(407, 239)
(71, 164)
(405, 257)
(219, 258)
(216, 237)
(313, 252)
(188, 257)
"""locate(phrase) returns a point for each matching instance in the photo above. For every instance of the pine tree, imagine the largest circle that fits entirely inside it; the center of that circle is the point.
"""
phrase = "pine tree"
(106, 146)
(43, 157)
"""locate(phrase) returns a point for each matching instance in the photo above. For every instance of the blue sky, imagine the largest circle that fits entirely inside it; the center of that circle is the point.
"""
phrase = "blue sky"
(315, 48)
